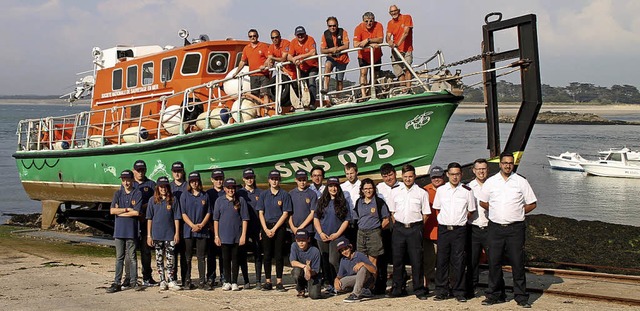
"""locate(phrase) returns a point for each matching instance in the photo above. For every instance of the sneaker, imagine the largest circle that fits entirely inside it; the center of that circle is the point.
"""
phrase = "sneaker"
(226, 286)
(366, 293)
(280, 287)
(300, 294)
(258, 286)
(440, 297)
(491, 301)
(461, 299)
(204, 286)
(146, 283)
(164, 285)
(234, 287)
(524, 304)
(114, 288)
(126, 284)
(331, 291)
(247, 285)
(137, 287)
(152, 282)
(174, 286)
(189, 286)
(267, 286)
(352, 298)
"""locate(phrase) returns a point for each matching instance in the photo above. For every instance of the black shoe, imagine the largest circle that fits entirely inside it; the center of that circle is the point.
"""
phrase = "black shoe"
(267, 286)
(461, 299)
(491, 301)
(280, 287)
(126, 284)
(524, 304)
(394, 293)
(352, 298)
(187, 285)
(114, 288)
(204, 286)
(440, 297)
(137, 287)
(152, 282)
(422, 296)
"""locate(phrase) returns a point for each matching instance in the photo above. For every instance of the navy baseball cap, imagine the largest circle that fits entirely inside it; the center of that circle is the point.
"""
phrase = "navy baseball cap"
(177, 167)
(301, 174)
(436, 171)
(217, 173)
(230, 183)
(302, 234)
(126, 174)
(300, 30)
(248, 173)
(138, 165)
(162, 181)
(342, 243)
(194, 176)
(333, 181)
(274, 174)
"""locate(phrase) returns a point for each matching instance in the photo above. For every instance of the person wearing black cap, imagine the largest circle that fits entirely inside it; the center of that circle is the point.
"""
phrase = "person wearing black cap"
(305, 261)
(331, 220)
(430, 234)
(126, 205)
(146, 187)
(304, 202)
(178, 187)
(274, 206)
(163, 230)
(196, 213)
(251, 194)
(230, 219)
(214, 251)
(356, 272)
(299, 50)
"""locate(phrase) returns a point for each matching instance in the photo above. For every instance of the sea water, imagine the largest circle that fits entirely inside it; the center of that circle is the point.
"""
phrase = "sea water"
(566, 194)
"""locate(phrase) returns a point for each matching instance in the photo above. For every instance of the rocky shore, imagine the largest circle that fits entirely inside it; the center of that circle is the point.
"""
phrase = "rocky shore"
(562, 117)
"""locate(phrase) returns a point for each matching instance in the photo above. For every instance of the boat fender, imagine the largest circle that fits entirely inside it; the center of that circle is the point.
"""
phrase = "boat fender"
(248, 110)
(61, 145)
(135, 134)
(231, 86)
(216, 117)
(192, 110)
(171, 120)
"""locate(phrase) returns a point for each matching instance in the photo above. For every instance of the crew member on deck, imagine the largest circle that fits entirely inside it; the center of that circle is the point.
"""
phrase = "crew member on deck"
(400, 36)
(255, 54)
(302, 47)
(334, 41)
(368, 34)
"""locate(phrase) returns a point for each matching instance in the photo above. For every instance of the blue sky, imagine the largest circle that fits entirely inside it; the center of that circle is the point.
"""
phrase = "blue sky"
(47, 42)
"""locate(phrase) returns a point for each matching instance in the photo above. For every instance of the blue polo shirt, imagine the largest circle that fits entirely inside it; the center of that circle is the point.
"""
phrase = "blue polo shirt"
(368, 215)
(274, 205)
(330, 223)
(230, 219)
(251, 197)
(178, 190)
(146, 187)
(303, 203)
(196, 208)
(126, 227)
(312, 254)
(162, 218)
(346, 264)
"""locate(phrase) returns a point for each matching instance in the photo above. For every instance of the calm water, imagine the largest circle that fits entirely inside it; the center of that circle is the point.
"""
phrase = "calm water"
(566, 194)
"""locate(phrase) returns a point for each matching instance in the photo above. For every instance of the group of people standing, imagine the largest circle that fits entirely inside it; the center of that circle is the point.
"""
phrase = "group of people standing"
(345, 234)
(367, 35)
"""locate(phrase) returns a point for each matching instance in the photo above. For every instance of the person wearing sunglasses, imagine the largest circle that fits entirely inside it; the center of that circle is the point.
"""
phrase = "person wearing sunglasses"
(400, 36)
(255, 55)
(304, 47)
(334, 41)
(368, 34)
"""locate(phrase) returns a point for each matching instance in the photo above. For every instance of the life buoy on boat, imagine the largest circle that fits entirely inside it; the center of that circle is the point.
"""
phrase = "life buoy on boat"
(231, 86)
(171, 119)
(135, 134)
(216, 117)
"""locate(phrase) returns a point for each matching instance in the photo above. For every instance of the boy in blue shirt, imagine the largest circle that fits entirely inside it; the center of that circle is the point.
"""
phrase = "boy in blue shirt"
(305, 260)
(356, 272)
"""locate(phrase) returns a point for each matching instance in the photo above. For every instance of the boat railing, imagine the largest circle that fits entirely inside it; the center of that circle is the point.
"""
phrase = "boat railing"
(205, 107)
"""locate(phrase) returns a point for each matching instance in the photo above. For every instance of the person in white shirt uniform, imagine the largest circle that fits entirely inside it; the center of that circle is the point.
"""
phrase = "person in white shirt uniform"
(476, 229)
(508, 197)
(409, 206)
(455, 202)
(351, 190)
(317, 177)
(383, 189)
(389, 181)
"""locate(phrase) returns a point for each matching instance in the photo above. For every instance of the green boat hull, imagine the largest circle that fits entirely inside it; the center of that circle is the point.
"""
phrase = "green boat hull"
(398, 130)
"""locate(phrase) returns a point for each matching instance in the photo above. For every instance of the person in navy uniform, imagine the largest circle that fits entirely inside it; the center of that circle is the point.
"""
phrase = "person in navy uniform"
(304, 202)
(305, 261)
(251, 194)
(356, 273)
(214, 251)
(230, 220)
(455, 202)
(274, 206)
(163, 230)
(178, 187)
(331, 220)
(476, 229)
(317, 178)
(146, 187)
(508, 197)
(126, 205)
(196, 213)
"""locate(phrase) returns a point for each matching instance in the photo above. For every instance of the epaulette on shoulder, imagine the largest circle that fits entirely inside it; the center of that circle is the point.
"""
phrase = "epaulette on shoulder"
(466, 187)
(521, 175)
(395, 186)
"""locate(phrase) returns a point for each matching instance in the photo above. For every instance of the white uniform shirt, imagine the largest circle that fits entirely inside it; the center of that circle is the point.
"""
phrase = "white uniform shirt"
(507, 198)
(454, 204)
(408, 205)
(318, 191)
(351, 192)
(384, 191)
(480, 217)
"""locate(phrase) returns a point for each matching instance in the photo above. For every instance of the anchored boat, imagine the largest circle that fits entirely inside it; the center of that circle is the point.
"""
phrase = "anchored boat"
(567, 161)
(615, 163)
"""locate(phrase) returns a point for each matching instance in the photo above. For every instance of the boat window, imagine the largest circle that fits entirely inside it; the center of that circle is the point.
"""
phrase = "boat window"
(218, 62)
(132, 76)
(616, 157)
(566, 157)
(116, 83)
(191, 64)
(238, 59)
(147, 73)
(168, 67)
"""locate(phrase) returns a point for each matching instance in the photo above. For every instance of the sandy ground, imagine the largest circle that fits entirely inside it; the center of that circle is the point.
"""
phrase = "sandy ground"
(30, 280)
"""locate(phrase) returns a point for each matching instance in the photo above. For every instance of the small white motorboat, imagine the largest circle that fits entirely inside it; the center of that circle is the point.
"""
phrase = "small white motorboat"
(567, 161)
(631, 155)
(616, 163)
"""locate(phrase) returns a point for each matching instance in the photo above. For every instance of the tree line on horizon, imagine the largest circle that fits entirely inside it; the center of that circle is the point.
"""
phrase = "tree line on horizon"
(575, 92)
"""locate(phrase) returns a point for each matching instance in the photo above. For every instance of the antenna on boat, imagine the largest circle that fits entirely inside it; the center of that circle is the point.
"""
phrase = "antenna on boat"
(184, 34)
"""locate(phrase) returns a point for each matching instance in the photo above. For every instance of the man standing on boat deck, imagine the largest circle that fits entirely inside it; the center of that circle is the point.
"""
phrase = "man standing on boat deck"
(303, 47)
(455, 202)
(255, 54)
(409, 207)
(178, 187)
(334, 41)
(279, 52)
(400, 36)
(147, 187)
(368, 34)
(476, 228)
(508, 197)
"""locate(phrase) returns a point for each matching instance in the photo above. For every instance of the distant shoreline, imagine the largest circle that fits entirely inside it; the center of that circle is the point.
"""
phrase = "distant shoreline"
(41, 101)
(512, 108)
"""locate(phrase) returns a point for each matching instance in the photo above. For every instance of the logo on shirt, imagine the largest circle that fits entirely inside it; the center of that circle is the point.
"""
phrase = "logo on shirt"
(168, 207)
(133, 202)
(307, 200)
(203, 202)
(257, 197)
(373, 210)
(146, 189)
(419, 121)
(279, 203)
